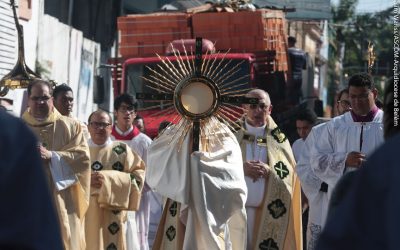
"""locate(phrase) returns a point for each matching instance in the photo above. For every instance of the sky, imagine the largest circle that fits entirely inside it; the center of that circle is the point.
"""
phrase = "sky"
(366, 6)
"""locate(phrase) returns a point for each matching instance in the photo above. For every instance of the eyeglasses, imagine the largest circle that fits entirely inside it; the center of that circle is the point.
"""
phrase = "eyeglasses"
(40, 98)
(100, 124)
(262, 106)
(123, 109)
(344, 103)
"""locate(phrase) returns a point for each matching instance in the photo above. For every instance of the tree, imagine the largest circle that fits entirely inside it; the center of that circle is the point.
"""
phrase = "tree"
(355, 31)
(341, 16)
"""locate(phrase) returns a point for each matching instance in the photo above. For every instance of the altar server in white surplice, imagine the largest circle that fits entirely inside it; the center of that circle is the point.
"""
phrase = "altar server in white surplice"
(314, 189)
(343, 144)
(372, 199)
(305, 120)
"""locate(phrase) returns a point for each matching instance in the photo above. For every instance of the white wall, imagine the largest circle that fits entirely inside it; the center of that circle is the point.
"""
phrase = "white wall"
(67, 57)
(8, 38)
(57, 48)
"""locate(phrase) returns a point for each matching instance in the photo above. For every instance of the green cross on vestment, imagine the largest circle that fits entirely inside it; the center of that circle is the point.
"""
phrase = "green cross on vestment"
(268, 244)
(281, 170)
(119, 149)
(171, 233)
(277, 208)
(113, 228)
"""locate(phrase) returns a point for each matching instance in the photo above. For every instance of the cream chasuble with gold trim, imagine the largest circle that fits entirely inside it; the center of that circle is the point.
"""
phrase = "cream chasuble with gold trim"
(123, 172)
(278, 219)
(64, 136)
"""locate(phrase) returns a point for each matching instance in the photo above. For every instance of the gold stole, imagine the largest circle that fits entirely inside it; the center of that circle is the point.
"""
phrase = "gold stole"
(278, 219)
(170, 231)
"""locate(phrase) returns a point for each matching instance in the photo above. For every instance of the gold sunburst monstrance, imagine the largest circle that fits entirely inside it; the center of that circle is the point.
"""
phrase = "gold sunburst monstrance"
(200, 92)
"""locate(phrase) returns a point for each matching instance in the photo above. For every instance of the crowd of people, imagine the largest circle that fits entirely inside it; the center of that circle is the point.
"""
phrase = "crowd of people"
(94, 185)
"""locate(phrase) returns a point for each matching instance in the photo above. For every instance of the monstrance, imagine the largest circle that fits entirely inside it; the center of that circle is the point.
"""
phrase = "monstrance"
(198, 91)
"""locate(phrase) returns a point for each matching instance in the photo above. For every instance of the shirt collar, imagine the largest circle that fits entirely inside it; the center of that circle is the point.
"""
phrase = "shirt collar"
(119, 131)
(367, 118)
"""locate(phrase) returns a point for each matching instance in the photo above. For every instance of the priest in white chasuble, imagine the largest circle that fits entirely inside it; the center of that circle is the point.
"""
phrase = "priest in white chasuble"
(116, 183)
(347, 140)
(65, 154)
(205, 189)
(273, 204)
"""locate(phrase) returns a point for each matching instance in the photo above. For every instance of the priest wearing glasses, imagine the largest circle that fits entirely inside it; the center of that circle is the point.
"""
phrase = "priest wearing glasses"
(273, 205)
(65, 155)
(117, 180)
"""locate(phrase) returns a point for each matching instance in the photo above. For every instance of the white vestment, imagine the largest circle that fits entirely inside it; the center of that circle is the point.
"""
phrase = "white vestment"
(209, 185)
(311, 185)
(297, 148)
(256, 189)
(339, 137)
(368, 215)
(327, 147)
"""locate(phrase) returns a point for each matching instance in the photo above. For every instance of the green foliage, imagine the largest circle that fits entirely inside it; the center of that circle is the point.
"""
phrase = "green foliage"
(344, 12)
(355, 32)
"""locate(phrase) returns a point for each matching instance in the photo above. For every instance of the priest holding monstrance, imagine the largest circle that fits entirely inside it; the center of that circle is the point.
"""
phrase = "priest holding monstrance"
(206, 188)
(206, 191)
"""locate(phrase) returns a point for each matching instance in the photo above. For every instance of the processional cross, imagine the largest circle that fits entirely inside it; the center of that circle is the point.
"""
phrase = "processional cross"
(21, 75)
